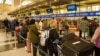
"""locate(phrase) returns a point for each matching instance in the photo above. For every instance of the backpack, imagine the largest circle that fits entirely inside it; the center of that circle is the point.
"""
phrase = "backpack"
(44, 37)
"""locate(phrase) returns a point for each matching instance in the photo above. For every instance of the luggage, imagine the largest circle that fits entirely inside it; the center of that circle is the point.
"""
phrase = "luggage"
(77, 47)
(68, 37)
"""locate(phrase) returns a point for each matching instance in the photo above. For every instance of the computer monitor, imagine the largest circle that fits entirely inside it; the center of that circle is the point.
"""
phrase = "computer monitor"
(49, 10)
(71, 7)
(29, 13)
(37, 12)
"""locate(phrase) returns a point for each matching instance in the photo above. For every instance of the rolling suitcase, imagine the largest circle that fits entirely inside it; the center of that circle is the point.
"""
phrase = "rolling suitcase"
(69, 36)
(77, 47)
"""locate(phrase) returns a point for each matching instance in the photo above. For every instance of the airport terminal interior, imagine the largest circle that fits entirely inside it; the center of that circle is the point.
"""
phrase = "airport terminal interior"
(69, 16)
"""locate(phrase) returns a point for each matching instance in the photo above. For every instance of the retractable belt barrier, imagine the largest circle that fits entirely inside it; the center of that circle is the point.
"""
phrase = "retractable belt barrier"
(46, 54)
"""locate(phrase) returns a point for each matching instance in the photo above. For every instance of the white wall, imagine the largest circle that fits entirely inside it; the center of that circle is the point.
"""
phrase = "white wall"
(5, 15)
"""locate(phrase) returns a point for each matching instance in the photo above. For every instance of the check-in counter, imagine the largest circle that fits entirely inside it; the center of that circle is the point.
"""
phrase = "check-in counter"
(72, 28)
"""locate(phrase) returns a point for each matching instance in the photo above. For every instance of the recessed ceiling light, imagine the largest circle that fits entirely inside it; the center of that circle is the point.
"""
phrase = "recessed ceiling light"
(55, 0)
(1, 1)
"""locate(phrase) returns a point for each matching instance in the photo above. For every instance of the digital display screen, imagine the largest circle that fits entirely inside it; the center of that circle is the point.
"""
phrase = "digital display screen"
(49, 10)
(85, 14)
(42, 16)
(71, 14)
(47, 16)
(97, 13)
(37, 12)
(77, 14)
(59, 15)
(23, 14)
(91, 13)
(29, 13)
(53, 15)
(72, 7)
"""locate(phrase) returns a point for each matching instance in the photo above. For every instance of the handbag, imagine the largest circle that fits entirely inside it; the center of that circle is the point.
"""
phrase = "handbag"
(98, 42)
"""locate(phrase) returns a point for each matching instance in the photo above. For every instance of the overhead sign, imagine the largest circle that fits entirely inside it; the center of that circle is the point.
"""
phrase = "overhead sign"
(92, 13)
(49, 10)
(97, 13)
(53, 15)
(70, 15)
(72, 7)
(60, 15)
(84, 14)
(37, 12)
(77, 14)
(29, 13)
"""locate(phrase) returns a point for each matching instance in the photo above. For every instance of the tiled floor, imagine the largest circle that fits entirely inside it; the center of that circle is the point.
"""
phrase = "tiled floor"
(8, 43)
(17, 52)
(10, 47)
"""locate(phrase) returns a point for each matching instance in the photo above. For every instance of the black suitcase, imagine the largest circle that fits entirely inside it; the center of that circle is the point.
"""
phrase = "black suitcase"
(69, 36)
(77, 47)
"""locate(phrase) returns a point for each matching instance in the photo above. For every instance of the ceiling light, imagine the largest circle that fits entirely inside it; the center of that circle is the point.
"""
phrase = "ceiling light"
(1, 1)
(26, 3)
(55, 0)
(8, 1)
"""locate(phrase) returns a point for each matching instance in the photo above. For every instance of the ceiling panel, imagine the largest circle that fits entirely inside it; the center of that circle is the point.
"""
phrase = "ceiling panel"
(91, 3)
(41, 3)
(44, 6)
(32, 8)
(78, 0)
(8, 1)
(61, 2)
(1, 1)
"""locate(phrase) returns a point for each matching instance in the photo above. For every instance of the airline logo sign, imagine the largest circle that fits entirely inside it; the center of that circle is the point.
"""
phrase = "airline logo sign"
(91, 13)
(53, 15)
(97, 13)
(69, 15)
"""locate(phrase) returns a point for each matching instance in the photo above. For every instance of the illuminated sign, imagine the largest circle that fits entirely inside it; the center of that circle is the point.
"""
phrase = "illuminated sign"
(72, 7)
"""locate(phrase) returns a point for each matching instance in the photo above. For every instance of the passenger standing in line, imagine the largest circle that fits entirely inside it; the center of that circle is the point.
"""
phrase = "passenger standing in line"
(66, 28)
(24, 29)
(40, 25)
(43, 38)
(6, 24)
(94, 25)
(53, 35)
(61, 27)
(34, 36)
(96, 40)
(27, 20)
(84, 27)
(13, 28)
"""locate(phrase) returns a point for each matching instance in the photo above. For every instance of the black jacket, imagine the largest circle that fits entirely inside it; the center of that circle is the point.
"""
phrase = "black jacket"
(53, 35)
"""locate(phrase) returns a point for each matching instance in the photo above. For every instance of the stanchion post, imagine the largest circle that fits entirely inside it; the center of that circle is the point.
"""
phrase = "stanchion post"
(31, 49)
(6, 31)
(15, 44)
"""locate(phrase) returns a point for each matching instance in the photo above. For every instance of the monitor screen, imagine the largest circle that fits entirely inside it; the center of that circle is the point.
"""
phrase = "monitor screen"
(37, 12)
(29, 13)
(72, 7)
(23, 14)
(49, 10)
